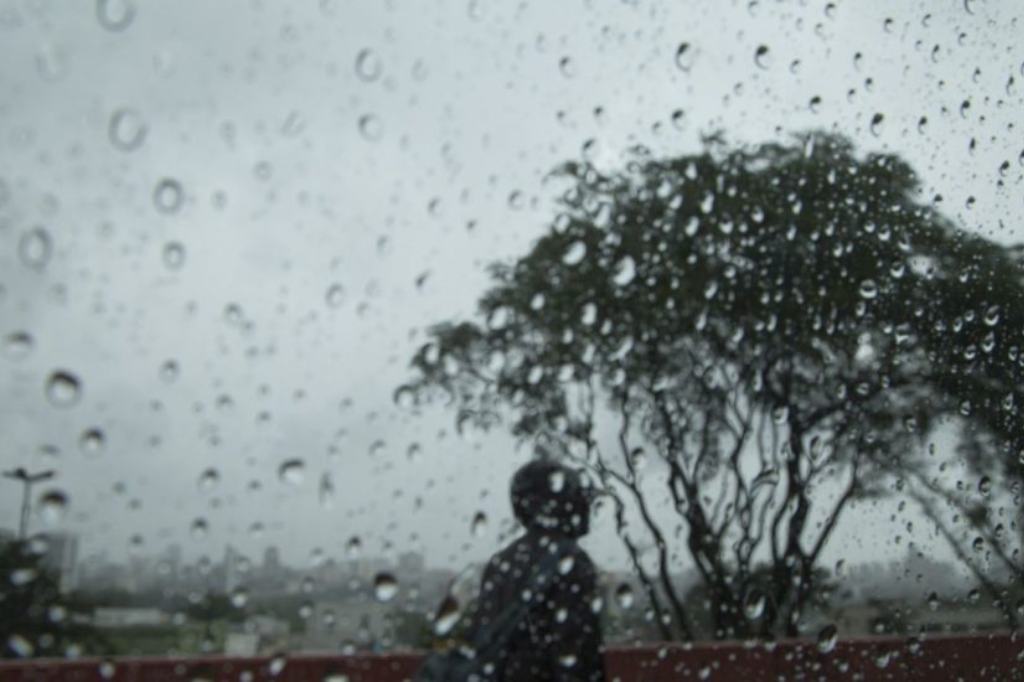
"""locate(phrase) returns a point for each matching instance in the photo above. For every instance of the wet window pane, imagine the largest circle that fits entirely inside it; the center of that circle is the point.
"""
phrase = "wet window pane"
(290, 292)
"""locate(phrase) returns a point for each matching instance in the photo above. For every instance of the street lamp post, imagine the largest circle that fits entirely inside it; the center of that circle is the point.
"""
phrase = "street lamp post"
(27, 481)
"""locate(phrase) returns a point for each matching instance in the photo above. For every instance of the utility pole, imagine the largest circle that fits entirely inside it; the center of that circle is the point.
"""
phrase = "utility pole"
(27, 481)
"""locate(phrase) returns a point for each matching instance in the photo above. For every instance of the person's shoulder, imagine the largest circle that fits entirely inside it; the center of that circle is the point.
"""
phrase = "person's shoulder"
(512, 553)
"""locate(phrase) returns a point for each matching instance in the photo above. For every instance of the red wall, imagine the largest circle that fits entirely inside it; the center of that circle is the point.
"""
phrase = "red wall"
(968, 657)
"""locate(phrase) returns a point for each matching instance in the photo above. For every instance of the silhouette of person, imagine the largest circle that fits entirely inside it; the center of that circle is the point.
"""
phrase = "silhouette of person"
(559, 637)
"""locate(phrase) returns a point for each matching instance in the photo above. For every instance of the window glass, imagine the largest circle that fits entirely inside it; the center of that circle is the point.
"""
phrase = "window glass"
(289, 292)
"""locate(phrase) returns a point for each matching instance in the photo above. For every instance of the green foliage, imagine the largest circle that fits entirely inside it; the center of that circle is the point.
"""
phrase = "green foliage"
(36, 620)
(769, 322)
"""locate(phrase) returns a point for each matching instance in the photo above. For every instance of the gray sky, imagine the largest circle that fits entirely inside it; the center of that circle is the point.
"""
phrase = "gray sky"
(304, 166)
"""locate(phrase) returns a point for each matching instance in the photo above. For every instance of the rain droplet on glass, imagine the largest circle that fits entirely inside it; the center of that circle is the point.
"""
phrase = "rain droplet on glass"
(385, 586)
(368, 66)
(624, 596)
(173, 255)
(168, 196)
(575, 254)
(827, 638)
(35, 248)
(370, 127)
(169, 371)
(625, 271)
(63, 389)
(763, 56)
(92, 441)
(18, 345)
(684, 57)
(208, 480)
(115, 15)
(127, 130)
(292, 472)
(53, 506)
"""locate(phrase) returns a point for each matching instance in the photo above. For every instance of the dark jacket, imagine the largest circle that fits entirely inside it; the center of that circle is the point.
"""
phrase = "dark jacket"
(560, 637)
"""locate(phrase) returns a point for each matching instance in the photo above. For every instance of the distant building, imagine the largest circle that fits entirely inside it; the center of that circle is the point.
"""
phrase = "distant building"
(410, 564)
(271, 560)
(260, 635)
(234, 576)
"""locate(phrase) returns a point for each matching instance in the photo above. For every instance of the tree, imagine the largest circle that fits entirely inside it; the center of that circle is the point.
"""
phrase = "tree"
(779, 331)
(35, 618)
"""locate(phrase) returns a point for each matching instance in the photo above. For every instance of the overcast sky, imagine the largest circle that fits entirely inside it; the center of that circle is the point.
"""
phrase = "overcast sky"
(346, 170)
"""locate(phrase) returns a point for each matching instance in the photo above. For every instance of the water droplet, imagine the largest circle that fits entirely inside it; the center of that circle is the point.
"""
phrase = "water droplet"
(354, 546)
(679, 119)
(625, 271)
(624, 596)
(385, 586)
(575, 254)
(173, 255)
(516, 200)
(127, 130)
(199, 529)
(107, 670)
(292, 472)
(566, 67)
(335, 295)
(18, 345)
(368, 66)
(115, 15)
(589, 314)
(684, 57)
(499, 318)
(815, 104)
(868, 289)
(63, 389)
(370, 127)
(239, 597)
(168, 196)
(447, 616)
(763, 57)
(325, 491)
(53, 506)
(208, 480)
(985, 485)
(479, 525)
(827, 638)
(753, 604)
(992, 316)
(876, 123)
(233, 314)
(92, 441)
(263, 171)
(52, 63)
(169, 371)
(35, 248)
(21, 646)
(277, 665)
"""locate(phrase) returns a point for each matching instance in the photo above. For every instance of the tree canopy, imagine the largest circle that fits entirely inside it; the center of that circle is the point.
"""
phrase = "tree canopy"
(784, 328)
(36, 620)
